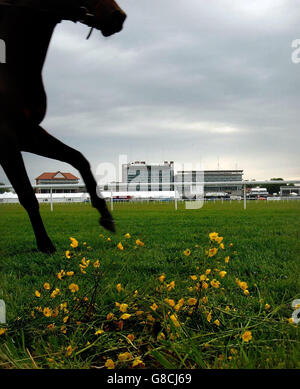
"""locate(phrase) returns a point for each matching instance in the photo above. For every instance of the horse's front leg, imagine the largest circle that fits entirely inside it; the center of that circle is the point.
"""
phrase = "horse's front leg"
(36, 140)
(13, 166)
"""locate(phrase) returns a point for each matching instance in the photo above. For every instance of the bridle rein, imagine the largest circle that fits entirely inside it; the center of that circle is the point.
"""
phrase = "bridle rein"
(78, 13)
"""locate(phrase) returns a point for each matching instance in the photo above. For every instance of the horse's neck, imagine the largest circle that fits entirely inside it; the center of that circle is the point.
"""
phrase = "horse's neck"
(27, 36)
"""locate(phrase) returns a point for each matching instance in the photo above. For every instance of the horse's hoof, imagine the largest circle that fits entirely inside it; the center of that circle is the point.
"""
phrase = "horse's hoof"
(47, 249)
(108, 224)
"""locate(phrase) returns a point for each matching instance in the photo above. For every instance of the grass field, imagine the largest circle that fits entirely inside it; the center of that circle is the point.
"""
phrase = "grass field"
(123, 314)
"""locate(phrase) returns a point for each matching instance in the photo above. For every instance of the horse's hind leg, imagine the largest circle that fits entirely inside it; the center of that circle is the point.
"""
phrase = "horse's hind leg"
(13, 166)
(36, 140)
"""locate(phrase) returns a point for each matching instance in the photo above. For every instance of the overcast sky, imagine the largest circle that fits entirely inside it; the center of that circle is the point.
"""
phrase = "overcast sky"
(192, 81)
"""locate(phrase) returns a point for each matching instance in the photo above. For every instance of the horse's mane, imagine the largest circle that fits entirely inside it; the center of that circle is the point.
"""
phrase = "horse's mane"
(67, 9)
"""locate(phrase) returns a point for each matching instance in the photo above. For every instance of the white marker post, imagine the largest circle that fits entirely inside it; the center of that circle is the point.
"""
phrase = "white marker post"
(111, 201)
(245, 198)
(51, 200)
(2, 312)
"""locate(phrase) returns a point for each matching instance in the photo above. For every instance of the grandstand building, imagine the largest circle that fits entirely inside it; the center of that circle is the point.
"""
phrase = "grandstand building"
(287, 191)
(57, 178)
(161, 178)
(211, 177)
(139, 172)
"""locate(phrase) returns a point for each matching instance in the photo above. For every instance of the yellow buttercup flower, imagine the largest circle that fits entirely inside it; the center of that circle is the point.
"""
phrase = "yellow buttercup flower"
(192, 301)
(161, 336)
(110, 316)
(215, 283)
(213, 236)
(120, 246)
(222, 246)
(68, 254)
(47, 312)
(109, 364)
(247, 336)
(170, 302)
(162, 278)
(96, 264)
(194, 278)
(171, 285)
(267, 307)
(73, 288)
(175, 320)
(99, 332)
(74, 243)
(123, 307)
(139, 243)
(219, 239)
(227, 259)
(55, 292)
(69, 351)
(242, 285)
(63, 329)
(187, 252)
(37, 293)
(217, 322)
(85, 262)
(222, 274)
(127, 236)
(63, 306)
(208, 317)
(123, 357)
(138, 362)
(154, 307)
(61, 274)
(125, 316)
(212, 252)
(119, 287)
(130, 337)
(46, 286)
(3, 331)
(70, 273)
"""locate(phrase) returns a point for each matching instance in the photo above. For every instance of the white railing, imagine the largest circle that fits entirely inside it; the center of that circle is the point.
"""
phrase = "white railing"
(175, 184)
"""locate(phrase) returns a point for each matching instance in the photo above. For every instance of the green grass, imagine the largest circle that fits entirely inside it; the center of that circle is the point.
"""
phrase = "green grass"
(265, 254)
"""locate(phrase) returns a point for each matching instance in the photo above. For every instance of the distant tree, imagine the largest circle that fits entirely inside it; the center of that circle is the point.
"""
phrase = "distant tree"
(274, 188)
(2, 190)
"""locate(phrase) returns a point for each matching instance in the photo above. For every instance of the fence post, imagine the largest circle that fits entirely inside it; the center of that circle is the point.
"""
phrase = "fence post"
(2, 312)
(51, 200)
(245, 198)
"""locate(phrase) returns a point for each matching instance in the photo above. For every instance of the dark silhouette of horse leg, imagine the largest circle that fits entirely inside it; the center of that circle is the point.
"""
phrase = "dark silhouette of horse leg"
(36, 140)
(13, 166)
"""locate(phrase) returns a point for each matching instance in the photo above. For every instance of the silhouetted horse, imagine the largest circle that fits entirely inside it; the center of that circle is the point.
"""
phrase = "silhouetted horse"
(26, 27)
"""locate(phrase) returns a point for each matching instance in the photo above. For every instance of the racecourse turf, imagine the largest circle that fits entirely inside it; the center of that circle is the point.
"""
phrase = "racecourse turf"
(179, 320)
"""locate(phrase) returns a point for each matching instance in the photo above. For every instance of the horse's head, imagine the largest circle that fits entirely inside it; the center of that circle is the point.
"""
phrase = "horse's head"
(104, 15)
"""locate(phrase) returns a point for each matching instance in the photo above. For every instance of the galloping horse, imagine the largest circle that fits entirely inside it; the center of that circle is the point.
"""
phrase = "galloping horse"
(26, 27)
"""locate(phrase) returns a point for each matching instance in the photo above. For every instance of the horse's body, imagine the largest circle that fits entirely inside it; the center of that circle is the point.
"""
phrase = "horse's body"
(27, 30)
